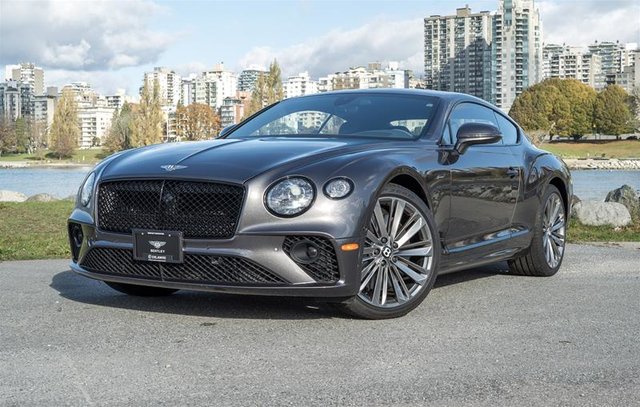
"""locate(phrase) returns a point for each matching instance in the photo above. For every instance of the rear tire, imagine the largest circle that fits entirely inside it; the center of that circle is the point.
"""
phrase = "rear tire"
(140, 290)
(400, 257)
(546, 252)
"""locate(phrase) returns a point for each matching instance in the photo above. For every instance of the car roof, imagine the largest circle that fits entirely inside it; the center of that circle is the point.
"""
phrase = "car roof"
(449, 97)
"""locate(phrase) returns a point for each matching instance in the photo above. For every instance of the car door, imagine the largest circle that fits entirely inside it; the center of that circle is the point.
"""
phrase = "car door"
(484, 184)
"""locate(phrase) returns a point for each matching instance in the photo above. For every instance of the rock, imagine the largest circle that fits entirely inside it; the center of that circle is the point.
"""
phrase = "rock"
(11, 196)
(626, 196)
(596, 213)
(70, 198)
(41, 198)
(575, 200)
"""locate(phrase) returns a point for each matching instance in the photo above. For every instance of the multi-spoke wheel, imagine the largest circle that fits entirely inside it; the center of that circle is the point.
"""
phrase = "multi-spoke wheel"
(399, 257)
(547, 246)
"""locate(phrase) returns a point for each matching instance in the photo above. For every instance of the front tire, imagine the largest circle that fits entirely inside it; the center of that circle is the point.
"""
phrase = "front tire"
(399, 258)
(140, 290)
(547, 246)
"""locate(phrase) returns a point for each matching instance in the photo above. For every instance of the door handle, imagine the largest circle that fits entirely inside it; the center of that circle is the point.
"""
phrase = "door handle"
(513, 172)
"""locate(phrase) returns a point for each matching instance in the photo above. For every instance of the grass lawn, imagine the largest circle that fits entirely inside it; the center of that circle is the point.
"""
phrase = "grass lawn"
(584, 149)
(34, 230)
(38, 230)
(87, 156)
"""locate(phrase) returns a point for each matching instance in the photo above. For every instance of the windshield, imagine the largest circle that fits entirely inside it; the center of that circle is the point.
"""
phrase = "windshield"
(344, 114)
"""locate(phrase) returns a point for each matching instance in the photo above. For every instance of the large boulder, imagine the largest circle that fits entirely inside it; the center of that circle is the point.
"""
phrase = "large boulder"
(41, 198)
(626, 196)
(11, 196)
(596, 213)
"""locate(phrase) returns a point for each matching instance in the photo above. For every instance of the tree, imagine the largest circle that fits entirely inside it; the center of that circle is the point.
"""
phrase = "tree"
(147, 127)
(611, 113)
(121, 130)
(268, 89)
(22, 130)
(8, 141)
(558, 106)
(196, 121)
(65, 131)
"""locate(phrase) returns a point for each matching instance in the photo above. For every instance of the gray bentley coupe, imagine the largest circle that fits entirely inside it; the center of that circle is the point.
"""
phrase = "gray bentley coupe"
(360, 198)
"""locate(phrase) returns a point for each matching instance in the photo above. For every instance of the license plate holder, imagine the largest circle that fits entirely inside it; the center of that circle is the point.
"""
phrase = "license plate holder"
(157, 246)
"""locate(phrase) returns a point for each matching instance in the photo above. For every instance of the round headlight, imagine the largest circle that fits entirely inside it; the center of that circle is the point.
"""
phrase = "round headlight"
(87, 189)
(338, 188)
(290, 197)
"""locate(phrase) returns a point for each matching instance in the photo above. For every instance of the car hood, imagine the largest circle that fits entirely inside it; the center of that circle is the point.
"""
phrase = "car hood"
(228, 160)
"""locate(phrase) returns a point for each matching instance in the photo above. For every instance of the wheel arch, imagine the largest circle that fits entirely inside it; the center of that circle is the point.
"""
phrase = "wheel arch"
(410, 182)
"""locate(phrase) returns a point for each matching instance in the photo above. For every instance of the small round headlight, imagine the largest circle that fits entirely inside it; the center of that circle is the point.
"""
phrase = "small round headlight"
(290, 197)
(338, 188)
(87, 189)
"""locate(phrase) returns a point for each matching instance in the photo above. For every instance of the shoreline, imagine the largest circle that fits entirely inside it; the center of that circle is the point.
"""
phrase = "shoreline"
(572, 163)
(28, 164)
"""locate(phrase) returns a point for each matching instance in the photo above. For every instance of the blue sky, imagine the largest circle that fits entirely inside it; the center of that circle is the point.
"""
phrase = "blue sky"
(112, 43)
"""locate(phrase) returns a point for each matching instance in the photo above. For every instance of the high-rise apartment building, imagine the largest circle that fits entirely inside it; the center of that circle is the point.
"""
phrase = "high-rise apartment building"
(516, 50)
(217, 85)
(94, 123)
(27, 73)
(457, 52)
(299, 85)
(248, 78)
(232, 110)
(169, 82)
(16, 100)
(566, 62)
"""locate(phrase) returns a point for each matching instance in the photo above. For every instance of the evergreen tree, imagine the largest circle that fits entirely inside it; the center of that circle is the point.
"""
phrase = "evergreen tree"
(268, 89)
(22, 135)
(65, 131)
(148, 120)
(121, 130)
(611, 113)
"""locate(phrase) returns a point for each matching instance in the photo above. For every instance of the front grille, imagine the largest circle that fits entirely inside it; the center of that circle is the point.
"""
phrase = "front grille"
(196, 268)
(324, 269)
(200, 210)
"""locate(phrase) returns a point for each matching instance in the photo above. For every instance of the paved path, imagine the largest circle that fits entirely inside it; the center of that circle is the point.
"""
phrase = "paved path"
(480, 338)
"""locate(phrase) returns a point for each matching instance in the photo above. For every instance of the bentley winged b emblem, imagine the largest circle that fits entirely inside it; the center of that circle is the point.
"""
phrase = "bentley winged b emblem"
(172, 167)
(156, 243)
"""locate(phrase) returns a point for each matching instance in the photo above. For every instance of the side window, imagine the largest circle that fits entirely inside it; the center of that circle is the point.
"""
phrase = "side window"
(508, 130)
(469, 113)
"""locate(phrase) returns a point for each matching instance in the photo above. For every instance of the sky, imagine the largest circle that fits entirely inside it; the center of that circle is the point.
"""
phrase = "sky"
(111, 43)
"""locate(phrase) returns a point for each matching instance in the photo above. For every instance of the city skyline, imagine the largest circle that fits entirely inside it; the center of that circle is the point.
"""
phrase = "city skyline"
(117, 46)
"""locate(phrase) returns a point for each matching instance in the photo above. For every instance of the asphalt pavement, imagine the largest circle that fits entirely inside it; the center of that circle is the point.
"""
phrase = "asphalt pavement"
(482, 337)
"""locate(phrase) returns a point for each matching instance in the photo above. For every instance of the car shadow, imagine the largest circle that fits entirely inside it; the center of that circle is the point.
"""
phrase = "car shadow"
(204, 304)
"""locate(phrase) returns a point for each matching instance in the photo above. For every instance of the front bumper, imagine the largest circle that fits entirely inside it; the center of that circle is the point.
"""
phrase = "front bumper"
(265, 253)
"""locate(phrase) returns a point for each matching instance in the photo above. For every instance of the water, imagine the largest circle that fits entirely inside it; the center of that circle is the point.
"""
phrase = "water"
(59, 182)
(62, 182)
(595, 184)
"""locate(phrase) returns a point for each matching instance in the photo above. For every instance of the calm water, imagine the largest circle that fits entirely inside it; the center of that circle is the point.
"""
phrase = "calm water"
(62, 182)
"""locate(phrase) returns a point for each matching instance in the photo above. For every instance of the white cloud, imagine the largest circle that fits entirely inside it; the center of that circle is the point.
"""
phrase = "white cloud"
(378, 40)
(583, 22)
(81, 35)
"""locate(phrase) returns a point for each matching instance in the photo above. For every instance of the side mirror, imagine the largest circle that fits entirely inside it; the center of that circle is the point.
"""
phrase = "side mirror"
(476, 133)
(226, 130)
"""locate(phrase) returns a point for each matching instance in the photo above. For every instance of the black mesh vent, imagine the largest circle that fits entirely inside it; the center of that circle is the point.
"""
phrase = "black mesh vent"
(325, 268)
(195, 269)
(198, 209)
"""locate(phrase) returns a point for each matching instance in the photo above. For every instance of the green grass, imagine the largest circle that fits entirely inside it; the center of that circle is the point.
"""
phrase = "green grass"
(38, 230)
(591, 149)
(88, 156)
(579, 233)
(34, 230)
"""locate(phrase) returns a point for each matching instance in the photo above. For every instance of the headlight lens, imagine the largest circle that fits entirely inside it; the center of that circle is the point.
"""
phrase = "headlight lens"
(290, 197)
(87, 189)
(338, 188)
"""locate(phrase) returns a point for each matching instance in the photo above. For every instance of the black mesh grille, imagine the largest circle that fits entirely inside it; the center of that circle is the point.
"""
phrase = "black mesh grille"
(195, 269)
(325, 268)
(198, 209)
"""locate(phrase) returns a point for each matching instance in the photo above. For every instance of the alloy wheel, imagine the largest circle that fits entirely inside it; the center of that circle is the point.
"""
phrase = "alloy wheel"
(553, 229)
(397, 257)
